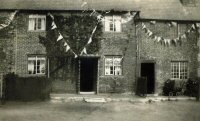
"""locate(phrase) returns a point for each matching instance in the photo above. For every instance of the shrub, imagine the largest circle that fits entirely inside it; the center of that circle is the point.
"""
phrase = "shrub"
(168, 87)
(192, 87)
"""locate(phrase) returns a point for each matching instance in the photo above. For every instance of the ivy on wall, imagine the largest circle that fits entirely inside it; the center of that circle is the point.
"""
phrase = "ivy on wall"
(76, 30)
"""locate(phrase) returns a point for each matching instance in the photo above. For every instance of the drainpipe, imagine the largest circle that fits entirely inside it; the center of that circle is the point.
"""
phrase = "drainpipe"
(137, 52)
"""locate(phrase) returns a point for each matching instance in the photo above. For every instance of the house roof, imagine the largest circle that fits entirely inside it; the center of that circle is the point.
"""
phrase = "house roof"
(149, 9)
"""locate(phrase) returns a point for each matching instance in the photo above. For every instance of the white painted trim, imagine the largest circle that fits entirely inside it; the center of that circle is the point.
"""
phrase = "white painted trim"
(87, 93)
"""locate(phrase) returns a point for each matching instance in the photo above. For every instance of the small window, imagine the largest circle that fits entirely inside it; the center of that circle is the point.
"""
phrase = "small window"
(36, 65)
(37, 23)
(113, 65)
(179, 70)
(113, 23)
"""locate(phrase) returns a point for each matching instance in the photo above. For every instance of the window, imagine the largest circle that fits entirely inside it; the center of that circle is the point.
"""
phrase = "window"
(179, 70)
(36, 65)
(113, 65)
(37, 22)
(113, 23)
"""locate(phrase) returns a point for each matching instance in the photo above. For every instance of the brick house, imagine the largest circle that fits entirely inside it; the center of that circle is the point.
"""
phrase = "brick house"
(129, 46)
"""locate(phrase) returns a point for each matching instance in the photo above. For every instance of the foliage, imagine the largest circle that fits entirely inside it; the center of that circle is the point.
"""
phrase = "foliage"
(192, 87)
(168, 87)
(76, 30)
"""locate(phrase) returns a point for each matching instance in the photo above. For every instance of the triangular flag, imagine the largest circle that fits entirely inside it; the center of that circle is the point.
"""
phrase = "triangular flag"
(9, 20)
(94, 11)
(155, 38)
(142, 24)
(67, 48)
(170, 24)
(168, 41)
(153, 22)
(193, 26)
(165, 41)
(144, 27)
(65, 44)
(198, 25)
(53, 25)
(84, 51)
(174, 23)
(90, 40)
(59, 37)
(94, 29)
(183, 36)
(150, 33)
(52, 17)
(159, 39)
(75, 55)
(84, 3)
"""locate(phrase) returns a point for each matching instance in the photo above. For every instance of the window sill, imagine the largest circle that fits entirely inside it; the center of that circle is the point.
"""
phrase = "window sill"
(36, 31)
(36, 75)
(113, 32)
(112, 76)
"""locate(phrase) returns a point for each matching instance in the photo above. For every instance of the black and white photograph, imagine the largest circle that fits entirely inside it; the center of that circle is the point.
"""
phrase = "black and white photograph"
(99, 60)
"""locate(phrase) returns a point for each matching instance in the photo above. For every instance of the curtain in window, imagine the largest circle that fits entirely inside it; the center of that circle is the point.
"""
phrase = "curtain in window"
(107, 23)
(31, 24)
(31, 65)
(41, 64)
(43, 24)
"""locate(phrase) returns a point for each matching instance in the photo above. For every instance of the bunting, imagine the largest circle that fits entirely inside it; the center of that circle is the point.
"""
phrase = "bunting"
(84, 51)
(8, 20)
(60, 37)
(53, 25)
(168, 41)
(90, 40)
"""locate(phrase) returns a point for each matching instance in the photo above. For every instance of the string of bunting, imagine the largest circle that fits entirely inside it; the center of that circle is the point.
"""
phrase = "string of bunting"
(60, 37)
(165, 40)
(8, 20)
(99, 19)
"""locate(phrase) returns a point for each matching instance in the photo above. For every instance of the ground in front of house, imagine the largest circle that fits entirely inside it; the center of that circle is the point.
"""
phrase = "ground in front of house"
(112, 111)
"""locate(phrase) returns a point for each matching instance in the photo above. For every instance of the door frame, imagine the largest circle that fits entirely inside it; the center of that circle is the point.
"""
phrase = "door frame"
(96, 91)
(153, 62)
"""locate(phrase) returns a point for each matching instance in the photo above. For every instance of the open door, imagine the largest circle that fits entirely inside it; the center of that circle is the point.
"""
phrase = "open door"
(88, 74)
(148, 71)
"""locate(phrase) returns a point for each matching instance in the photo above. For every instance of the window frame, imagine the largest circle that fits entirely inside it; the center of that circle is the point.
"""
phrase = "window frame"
(180, 65)
(35, 65)
(36, 19)
(113, 65)
(111, 19)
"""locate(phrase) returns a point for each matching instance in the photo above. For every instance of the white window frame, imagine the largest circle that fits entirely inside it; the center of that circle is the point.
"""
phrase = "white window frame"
(180, 65)
(35, 65)
(116, 22)
(33, 23)
(115, 72)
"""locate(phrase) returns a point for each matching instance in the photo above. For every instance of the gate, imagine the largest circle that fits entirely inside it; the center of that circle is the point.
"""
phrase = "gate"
(141, 89)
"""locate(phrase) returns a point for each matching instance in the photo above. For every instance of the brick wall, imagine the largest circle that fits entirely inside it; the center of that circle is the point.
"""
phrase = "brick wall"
(6, 46)
(162, 55)
(123, 44)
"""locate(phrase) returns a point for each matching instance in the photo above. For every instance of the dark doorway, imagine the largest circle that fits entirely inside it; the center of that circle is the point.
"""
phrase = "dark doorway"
(88, 74)
(148, 71)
